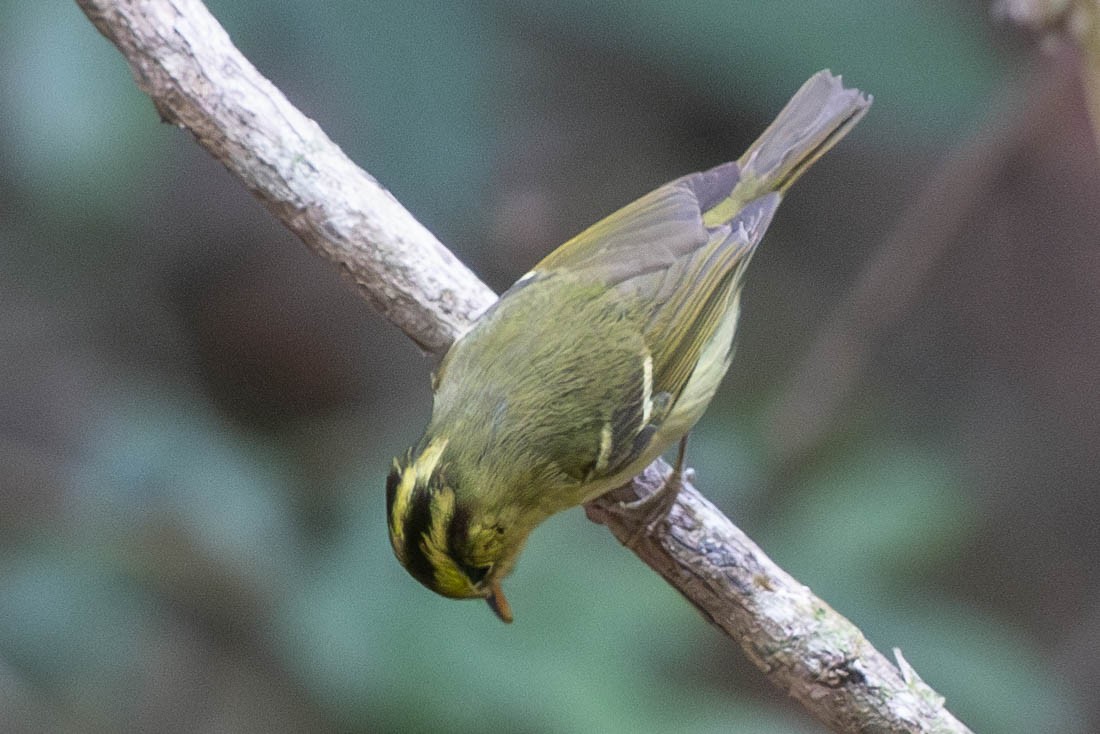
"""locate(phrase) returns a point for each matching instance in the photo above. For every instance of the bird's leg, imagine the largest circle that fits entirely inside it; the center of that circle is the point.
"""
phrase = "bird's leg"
(657, 505)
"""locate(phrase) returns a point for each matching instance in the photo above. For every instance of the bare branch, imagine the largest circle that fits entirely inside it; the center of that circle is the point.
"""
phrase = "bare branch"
(184, 60)
(801, 643)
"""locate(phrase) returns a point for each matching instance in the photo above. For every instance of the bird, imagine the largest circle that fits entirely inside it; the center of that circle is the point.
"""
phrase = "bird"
(597, 360)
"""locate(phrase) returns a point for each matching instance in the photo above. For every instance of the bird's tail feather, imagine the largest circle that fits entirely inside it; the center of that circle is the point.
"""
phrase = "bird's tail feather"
(813, 121)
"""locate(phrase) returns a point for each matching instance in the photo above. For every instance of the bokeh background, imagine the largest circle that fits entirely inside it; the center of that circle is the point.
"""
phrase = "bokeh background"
(197, 415)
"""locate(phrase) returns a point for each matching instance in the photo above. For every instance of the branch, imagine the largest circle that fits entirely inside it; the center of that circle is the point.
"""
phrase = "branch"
(183, 59)
(186, 63)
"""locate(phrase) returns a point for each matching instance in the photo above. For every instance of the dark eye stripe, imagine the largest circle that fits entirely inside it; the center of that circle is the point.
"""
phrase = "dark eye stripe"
(457, 546)
(477, 574)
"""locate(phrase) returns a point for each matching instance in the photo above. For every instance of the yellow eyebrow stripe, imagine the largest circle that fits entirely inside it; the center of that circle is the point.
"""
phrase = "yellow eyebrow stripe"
(429, 458)
(434, 544)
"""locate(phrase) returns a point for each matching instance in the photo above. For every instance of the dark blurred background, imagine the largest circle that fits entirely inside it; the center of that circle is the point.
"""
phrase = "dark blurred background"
(197, 415)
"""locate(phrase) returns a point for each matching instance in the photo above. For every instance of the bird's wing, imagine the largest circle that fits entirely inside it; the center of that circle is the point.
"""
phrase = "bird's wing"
(675, 280)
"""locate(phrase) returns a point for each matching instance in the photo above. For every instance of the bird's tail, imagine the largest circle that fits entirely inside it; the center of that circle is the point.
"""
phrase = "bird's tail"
(817, 117)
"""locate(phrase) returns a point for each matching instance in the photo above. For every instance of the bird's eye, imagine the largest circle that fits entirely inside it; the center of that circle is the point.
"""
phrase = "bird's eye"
(477, 574)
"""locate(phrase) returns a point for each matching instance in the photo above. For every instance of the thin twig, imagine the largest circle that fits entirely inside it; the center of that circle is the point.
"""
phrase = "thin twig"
(183, 59)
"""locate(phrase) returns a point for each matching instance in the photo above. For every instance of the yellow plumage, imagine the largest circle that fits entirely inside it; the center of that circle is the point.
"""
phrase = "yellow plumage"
(594, 362)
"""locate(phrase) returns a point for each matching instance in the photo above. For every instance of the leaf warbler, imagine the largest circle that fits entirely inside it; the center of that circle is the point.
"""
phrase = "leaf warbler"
(595, 361)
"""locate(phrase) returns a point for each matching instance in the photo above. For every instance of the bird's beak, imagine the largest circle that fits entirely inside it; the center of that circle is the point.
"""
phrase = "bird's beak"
(498, 603)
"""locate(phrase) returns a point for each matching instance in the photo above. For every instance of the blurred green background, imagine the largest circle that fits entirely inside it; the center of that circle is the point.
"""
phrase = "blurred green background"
(197, 415)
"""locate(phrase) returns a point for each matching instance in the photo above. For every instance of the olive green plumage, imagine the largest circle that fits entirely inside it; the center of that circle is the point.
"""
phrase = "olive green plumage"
(594, 362)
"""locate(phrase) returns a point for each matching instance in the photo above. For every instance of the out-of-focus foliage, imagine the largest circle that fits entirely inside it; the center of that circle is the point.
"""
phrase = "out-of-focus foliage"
(196, 417)
(926, 62)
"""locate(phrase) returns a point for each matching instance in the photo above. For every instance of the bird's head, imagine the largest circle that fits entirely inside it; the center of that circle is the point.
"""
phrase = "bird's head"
(442, 536)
